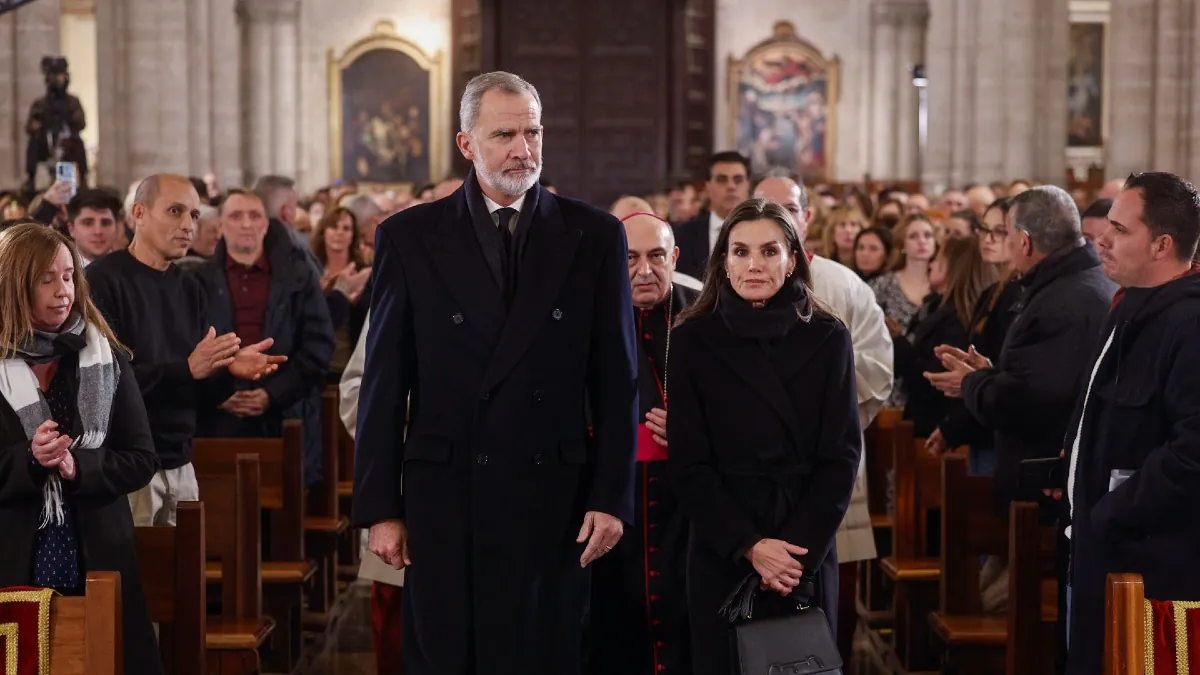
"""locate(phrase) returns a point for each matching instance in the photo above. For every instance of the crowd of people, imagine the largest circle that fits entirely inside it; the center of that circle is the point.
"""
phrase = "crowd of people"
(523, 350)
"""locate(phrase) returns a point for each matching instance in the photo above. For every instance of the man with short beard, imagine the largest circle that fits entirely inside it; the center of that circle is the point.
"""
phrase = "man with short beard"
(496, 308)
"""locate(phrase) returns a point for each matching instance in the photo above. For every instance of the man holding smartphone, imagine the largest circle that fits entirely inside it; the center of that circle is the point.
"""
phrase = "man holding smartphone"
(1133, 444)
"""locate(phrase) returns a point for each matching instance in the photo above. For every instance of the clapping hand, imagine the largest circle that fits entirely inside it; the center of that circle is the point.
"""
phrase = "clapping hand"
(351, 281)
(958, 364)
(250, 363)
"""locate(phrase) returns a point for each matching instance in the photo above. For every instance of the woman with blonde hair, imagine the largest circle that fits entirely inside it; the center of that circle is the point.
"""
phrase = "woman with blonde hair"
(74, 437)
(840, 233)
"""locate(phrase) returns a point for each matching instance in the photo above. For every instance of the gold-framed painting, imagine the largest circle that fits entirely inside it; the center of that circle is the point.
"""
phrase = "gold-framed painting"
(386, 106)
(1086, 84)
(783, 104)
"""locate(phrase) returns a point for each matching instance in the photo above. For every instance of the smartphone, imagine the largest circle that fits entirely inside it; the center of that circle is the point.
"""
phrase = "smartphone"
(1035, 475)
(65, 172)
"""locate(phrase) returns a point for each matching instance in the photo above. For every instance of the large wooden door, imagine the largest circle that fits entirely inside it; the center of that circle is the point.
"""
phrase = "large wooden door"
(622, 84)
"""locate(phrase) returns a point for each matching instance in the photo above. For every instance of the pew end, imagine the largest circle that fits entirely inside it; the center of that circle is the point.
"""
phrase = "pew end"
(85, 632)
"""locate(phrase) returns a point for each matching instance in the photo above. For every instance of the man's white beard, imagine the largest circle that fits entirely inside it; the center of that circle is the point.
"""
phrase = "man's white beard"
(509, 185)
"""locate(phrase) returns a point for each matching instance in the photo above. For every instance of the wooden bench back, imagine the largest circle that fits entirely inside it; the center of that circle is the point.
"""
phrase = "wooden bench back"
(85, 632)
(970, 529)
(233, 511)
(1031, 549)
(281, 466)
(171, 562)
(1124, 625)
(917, 491)
(323, 498)
(877, 453)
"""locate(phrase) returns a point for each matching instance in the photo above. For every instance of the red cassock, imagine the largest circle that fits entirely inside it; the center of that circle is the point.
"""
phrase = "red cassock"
(638, 622)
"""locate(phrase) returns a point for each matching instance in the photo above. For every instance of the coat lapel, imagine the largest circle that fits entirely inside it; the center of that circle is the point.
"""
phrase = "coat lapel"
(545, 262)
(461, 264)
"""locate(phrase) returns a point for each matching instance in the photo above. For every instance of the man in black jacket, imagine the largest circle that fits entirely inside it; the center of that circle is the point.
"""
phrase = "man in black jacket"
(728, 185)
(1134, 441)
(1027, 396)
(261, 285)
(496, 309)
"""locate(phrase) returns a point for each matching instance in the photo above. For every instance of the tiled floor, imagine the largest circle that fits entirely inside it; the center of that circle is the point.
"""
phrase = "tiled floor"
(348, 651)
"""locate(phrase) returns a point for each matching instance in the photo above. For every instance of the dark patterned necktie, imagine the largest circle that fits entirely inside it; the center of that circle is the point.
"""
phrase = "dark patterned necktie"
(508, 256)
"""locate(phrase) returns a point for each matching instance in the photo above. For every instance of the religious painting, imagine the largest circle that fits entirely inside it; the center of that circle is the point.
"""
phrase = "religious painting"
(385, 109)
(783, 97)
(1085, 85)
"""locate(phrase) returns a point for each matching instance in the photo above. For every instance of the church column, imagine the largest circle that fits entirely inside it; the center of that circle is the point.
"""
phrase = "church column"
(884, 91)
(200, 80)
(226, 91)
(913, 22)
(270, 68)
(26, 35)
(1131, 65)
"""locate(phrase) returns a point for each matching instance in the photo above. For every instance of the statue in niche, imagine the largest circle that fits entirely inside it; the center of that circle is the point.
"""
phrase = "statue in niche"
(54, 126)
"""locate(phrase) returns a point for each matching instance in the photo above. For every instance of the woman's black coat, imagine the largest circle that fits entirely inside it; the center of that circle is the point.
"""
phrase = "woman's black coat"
(937, 324)
(761, 445)
(104, 476)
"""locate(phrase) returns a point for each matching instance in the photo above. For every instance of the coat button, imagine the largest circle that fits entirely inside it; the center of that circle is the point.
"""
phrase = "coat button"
(653, 573)
(457, 319)
(537, 395)
(557, 314)
(481, 458)
(537, 459)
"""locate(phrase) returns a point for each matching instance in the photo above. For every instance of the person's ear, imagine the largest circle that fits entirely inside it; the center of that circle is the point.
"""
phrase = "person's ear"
(465, 146)
(674, 257)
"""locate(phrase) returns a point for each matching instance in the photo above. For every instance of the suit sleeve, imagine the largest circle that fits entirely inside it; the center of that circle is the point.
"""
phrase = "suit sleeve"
(1033, 386)
(612, 381)
(692, 464)
(22, 480)
(814, 522)
(1163, 491)
(389, 374)
(127, 460)
(307, 365)
(874, 365)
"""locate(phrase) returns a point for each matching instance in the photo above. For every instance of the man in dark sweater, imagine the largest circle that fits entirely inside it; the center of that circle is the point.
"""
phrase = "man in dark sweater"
(161, 313)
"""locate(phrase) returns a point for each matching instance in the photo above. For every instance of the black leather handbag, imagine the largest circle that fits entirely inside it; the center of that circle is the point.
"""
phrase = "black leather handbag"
(795, 641)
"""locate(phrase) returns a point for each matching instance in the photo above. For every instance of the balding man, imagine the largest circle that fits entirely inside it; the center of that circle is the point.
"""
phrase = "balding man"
(446, 187)
(639, 615)
(851, 300)
(628, 205)
(160, 312)
(1111, 189)
(979, 198)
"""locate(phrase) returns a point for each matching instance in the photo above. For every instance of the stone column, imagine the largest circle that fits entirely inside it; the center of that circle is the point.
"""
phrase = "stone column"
(1131, 80)
(1193, 126)
(884, 90)
(226, 101)
(200, 78)
(271, 76)
(913, 22)
(26, 35)
(1049, 93)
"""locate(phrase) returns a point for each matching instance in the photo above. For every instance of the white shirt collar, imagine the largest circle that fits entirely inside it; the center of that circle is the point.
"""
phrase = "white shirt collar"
(714, 229)
(493, 207)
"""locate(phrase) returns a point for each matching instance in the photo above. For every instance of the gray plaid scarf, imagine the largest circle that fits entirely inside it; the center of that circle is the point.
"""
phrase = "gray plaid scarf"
(98, 375)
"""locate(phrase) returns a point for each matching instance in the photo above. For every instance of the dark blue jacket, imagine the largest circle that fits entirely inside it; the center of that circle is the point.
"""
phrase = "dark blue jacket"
(298, 319)
(1143, 415)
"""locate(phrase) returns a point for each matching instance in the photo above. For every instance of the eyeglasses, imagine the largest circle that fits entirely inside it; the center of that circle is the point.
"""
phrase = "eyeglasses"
(997, 234)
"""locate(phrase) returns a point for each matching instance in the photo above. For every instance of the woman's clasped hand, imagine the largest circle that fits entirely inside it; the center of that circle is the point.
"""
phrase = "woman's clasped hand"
(52, 449)
(775, 562)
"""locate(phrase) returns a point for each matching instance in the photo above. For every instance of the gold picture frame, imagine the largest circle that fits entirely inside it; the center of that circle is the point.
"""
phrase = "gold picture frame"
(785, 84)
(384, 37)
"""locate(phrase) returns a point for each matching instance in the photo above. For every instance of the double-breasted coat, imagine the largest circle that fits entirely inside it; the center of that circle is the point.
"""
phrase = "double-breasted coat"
(497, 467)
(125, 463)
(763, 445)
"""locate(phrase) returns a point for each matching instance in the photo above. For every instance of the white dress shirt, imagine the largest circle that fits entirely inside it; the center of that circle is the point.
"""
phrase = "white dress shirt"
(493, 207)
(1079, 432)
(714, 229)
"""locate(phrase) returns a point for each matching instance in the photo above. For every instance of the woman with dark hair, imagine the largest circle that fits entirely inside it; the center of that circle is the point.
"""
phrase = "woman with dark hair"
(335, 243)
(994, 312)
(872, 251)
(957, 277)
(74, 437)
(764, 433)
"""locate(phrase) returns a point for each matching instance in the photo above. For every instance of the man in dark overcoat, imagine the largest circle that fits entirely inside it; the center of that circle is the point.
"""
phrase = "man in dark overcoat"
(493, 311)
(1133, 444)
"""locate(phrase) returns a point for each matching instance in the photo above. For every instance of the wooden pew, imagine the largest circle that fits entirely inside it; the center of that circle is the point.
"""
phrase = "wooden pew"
(1125, 625)
(973, 642)
(874, 593)
(913, 567)
(324, 526)
(85, 632)
(285, 569)
(171, 560)
(348, 548)
(232, 538)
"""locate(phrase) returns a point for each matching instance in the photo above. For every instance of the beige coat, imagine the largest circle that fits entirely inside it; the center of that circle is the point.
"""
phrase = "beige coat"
(371, 567)
(848, 297)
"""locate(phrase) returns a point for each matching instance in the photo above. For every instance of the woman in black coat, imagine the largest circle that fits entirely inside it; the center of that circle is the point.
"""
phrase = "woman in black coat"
(764, 436)
(74, 438)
